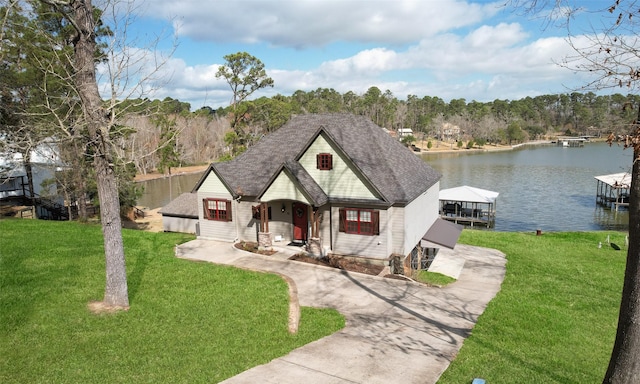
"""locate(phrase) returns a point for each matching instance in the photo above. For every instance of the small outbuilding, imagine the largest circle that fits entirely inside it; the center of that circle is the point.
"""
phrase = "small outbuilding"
(468, 205)
(613, 190)
(181, 214)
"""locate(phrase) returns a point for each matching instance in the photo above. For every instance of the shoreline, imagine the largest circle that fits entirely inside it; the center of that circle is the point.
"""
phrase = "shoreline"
(178, 171)
(191, 169)
(488, 148)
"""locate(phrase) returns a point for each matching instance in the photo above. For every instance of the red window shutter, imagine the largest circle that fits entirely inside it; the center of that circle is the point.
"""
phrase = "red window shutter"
(318, 159)
(375, 218)
(205, 208)
(330, 160)
(228, 210)
(342, 226)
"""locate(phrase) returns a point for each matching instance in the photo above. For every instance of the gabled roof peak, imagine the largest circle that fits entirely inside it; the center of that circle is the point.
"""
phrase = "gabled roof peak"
(399, 175)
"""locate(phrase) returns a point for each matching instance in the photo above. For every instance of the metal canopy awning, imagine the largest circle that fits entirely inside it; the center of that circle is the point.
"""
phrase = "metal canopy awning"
(470, 194)
(443, 233)
(616, 180)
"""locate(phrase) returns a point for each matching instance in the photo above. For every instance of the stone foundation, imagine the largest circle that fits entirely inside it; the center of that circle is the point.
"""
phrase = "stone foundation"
(264, 241)
(314, 247)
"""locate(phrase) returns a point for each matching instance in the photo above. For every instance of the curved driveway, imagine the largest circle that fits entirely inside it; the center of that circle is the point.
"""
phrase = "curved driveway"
(396, 331)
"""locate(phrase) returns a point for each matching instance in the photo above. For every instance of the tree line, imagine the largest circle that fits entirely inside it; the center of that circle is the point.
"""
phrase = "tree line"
(206, 135)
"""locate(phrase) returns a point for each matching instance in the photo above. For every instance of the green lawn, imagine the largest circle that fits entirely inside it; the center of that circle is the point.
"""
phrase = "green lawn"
(189, 322)
(555, 317)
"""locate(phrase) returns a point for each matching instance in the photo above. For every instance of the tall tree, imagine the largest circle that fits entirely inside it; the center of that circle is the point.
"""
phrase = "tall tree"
(79, 13)
(245, 74)
(94, 124)
(610, 55)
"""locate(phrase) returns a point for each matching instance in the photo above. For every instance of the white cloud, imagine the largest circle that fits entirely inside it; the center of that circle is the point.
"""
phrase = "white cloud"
(444, 48)
(305, 23)
(363, 65)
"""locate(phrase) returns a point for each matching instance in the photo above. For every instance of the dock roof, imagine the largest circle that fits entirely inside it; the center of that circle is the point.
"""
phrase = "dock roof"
(470, 194)
(616, 180)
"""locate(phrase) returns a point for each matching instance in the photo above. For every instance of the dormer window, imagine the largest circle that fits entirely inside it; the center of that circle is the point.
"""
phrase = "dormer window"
(324, 161)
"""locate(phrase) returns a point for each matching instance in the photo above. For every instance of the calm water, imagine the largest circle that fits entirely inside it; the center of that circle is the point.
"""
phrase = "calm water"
(541, 187)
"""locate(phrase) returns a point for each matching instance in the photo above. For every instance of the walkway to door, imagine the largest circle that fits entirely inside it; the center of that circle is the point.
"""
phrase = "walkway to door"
(395, 331)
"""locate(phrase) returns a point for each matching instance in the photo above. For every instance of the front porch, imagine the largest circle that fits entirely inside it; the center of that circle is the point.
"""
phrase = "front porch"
(295, 225)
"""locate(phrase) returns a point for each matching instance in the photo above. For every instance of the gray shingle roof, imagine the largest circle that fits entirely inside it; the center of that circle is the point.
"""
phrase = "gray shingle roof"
(315, 192)
(185, 205)
(399, 175)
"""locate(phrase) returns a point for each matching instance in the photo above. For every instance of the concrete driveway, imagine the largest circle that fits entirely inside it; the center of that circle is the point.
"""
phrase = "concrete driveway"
(396, 331)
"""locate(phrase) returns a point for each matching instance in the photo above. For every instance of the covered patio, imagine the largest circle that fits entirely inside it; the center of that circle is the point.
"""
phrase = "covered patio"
(468, 206)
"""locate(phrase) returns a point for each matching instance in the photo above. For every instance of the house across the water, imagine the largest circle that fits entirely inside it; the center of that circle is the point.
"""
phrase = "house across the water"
(335, 183)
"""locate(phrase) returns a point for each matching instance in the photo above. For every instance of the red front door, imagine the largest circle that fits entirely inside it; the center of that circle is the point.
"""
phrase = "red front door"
(300, 222)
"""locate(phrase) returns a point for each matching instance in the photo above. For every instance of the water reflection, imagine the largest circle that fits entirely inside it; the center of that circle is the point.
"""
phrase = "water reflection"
(543, 187)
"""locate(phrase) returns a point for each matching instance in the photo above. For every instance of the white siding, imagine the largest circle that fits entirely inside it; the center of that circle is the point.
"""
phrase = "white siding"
(419, 215)
(246, 226)
(325, 228)
(179, 224)
(212, 187)
(396, 232)
(361, 245)
(283, 188)
(281, 223)
(342, 181)
(218, 230)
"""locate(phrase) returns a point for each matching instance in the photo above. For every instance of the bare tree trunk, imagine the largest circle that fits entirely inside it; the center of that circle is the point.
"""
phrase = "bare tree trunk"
(81, 197)
(624, 366)
(29, 171)
(116, 294)
(67, 197)
(79, 181)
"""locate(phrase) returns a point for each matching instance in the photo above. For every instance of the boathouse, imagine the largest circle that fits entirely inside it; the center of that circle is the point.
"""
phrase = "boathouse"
(571, 141)
(613, 190)
(468, 206)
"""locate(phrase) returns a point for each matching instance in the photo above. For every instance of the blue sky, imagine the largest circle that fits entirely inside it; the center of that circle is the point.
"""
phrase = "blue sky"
(476, 50)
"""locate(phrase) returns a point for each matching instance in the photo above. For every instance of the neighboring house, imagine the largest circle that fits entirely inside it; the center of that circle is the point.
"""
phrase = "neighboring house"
(14, 181)
(449, 132)
(336, 182)
(13, 176)
(181, 214)
(403, 132)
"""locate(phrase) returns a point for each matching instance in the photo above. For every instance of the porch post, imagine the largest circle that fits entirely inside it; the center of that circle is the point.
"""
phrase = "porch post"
(264, 217)
(264, 237)
(314, 245)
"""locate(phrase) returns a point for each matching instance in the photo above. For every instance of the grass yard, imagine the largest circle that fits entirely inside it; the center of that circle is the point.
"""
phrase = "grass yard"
(554, 320)
(188, 323)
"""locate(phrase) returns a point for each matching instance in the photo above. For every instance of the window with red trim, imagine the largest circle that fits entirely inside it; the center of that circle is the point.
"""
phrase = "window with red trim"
(324, 161)
(359, 221)
(217, 209)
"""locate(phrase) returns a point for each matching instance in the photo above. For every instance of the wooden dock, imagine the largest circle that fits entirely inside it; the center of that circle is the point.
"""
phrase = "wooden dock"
(468, 206)
(612, 191)
(470, 221)
(571, 142)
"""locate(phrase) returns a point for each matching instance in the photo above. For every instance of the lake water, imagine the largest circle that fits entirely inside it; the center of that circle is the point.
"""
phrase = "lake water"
(541, 187)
